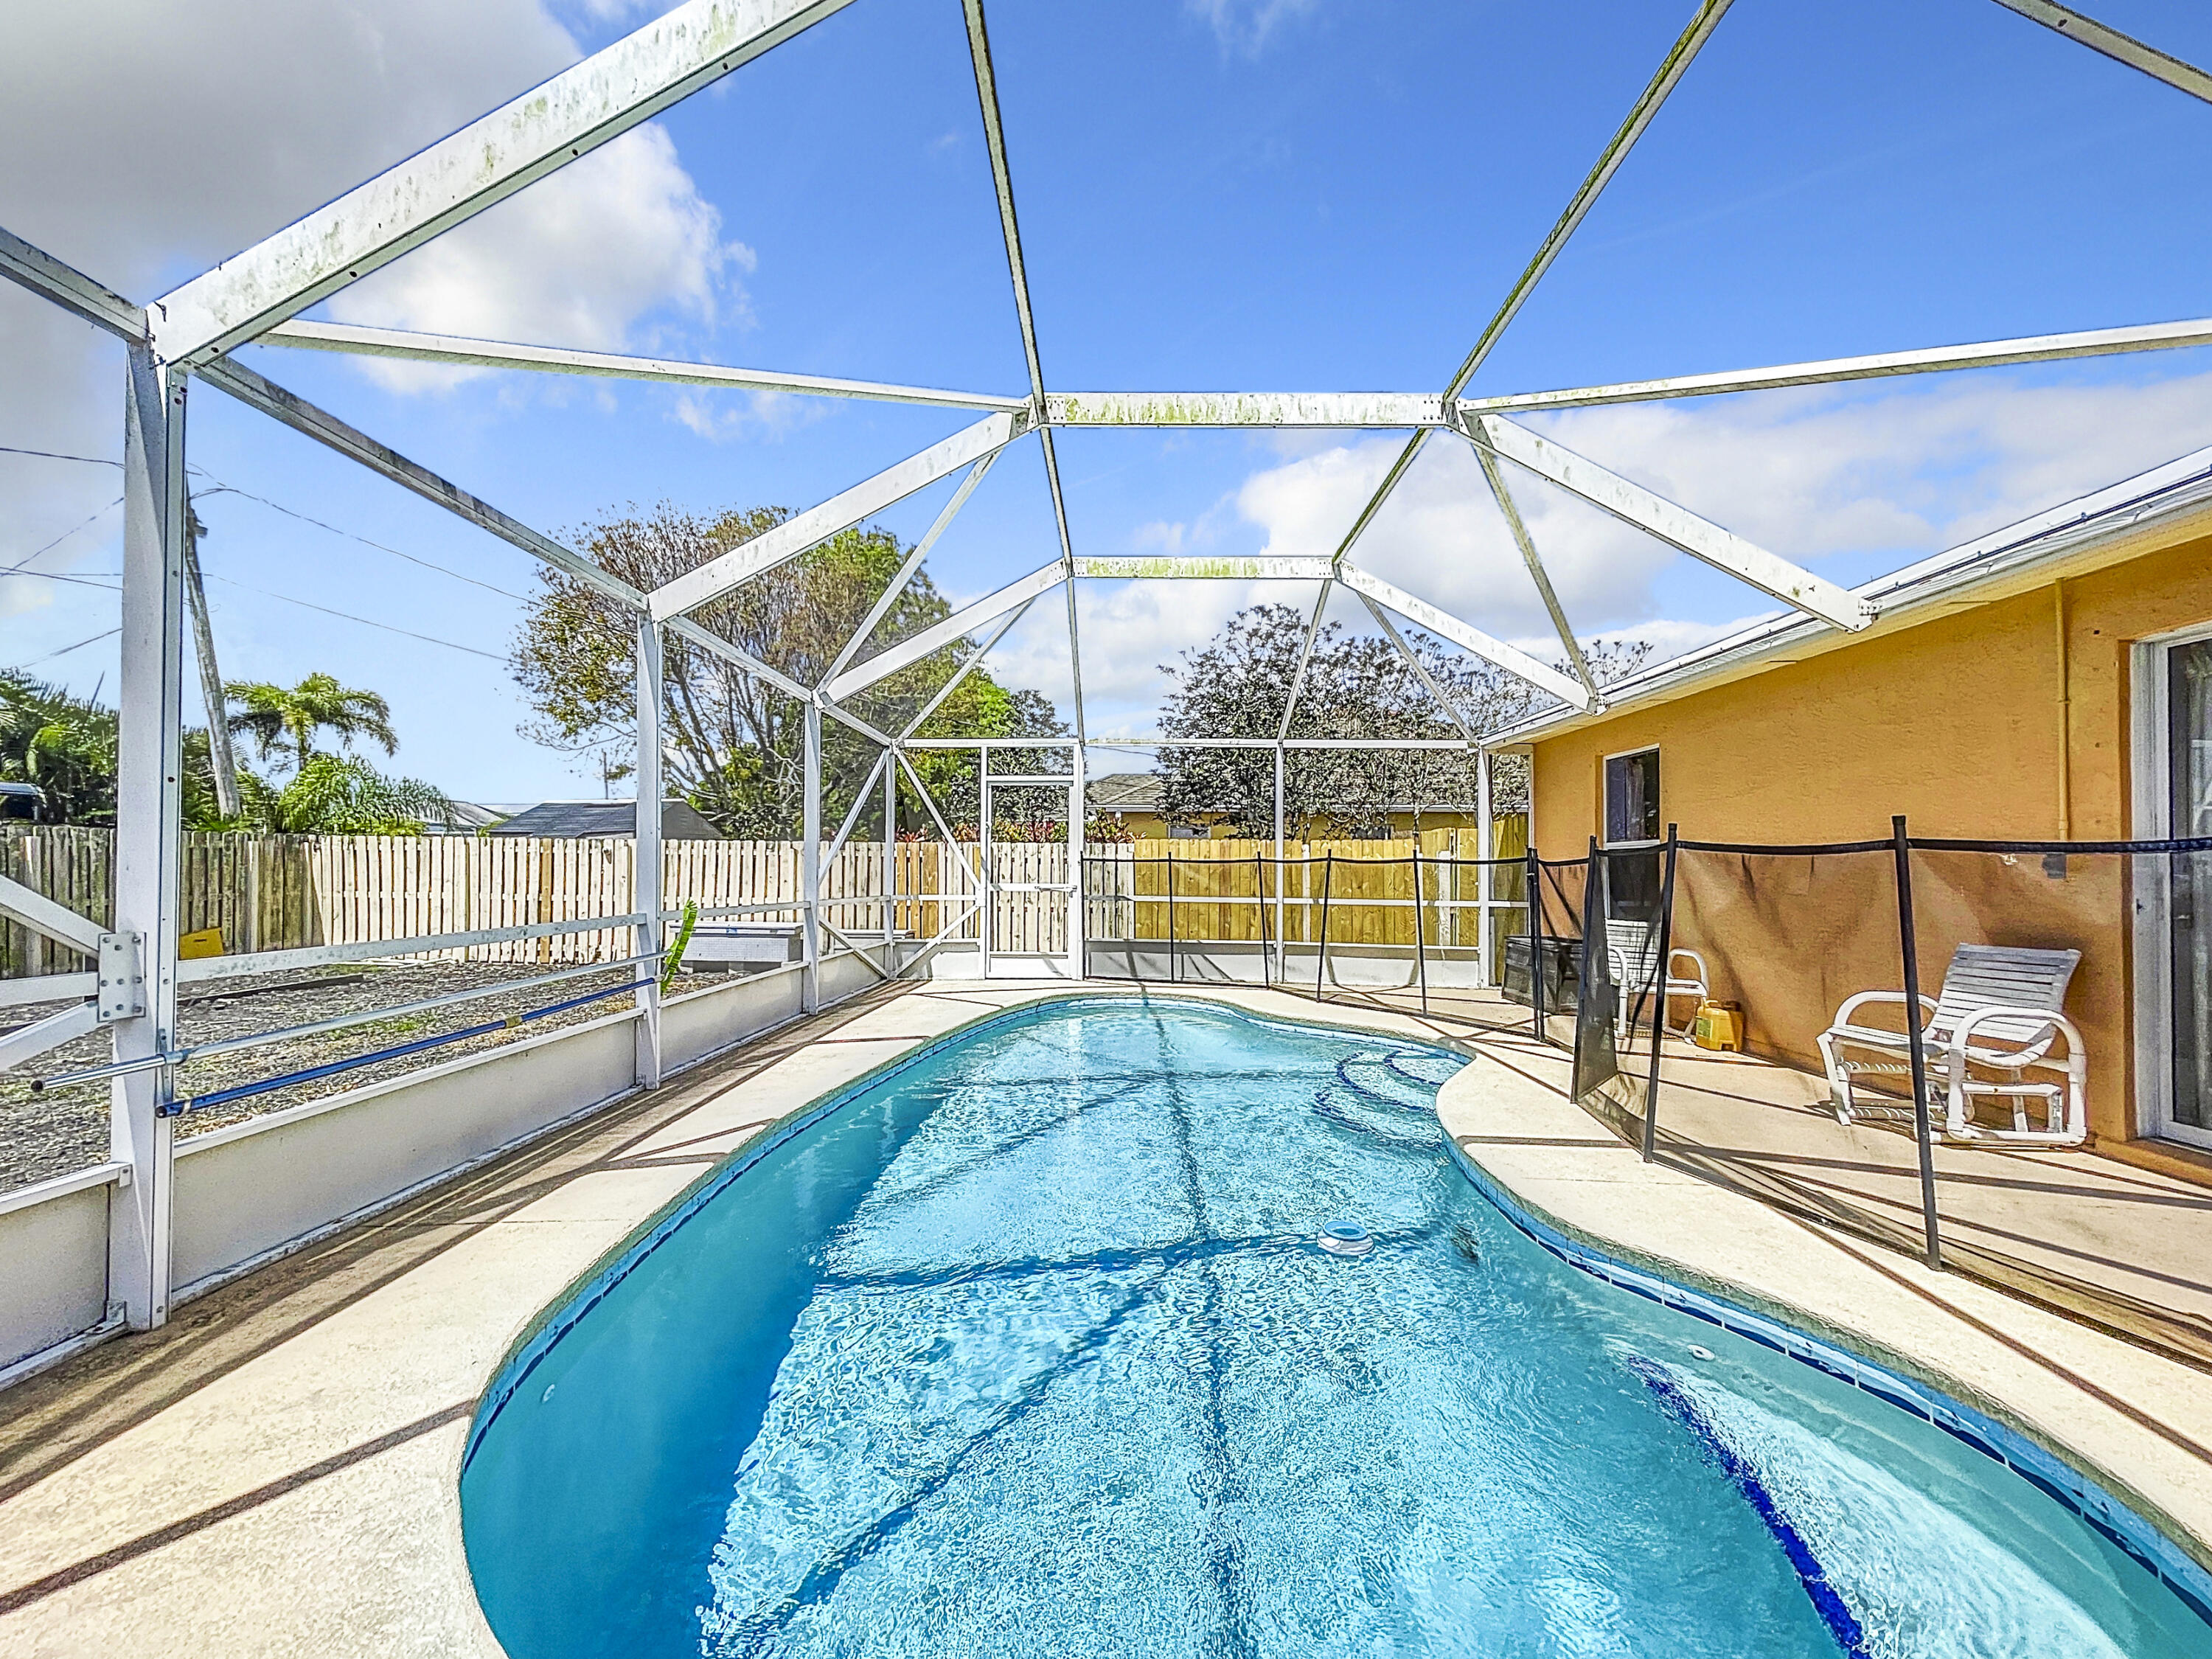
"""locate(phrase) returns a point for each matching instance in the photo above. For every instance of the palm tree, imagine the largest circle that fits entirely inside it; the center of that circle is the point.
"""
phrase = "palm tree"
(64, 745)
(276, 716)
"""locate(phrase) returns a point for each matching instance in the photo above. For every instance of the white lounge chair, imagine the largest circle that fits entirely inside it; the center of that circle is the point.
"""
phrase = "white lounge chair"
(1632, 950)
(2001, 1010)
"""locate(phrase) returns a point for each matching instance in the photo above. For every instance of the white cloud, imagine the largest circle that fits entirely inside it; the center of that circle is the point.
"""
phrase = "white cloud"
(577, 259)
(147, 139)
(1810, 475)
(1246, 26)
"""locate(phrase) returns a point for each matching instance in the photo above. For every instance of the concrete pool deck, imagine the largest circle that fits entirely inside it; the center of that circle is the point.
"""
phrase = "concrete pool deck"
(275, 1472)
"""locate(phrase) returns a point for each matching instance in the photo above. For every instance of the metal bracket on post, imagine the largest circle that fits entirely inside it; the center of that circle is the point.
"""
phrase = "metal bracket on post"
(122, 993)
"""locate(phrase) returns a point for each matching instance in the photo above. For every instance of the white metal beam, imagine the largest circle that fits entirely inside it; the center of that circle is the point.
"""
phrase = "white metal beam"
(796, 535)
(1933, 360)
(936, 637)
(1668, 76)
(975, 658)
(1394, 410)
(302, 417)
(1067, 570)
(1676, 526)
(994, 141)
(69, 289)
(1466, 636)
(715, 645)
(557, 359)
(486, 162)
(1171, 567)
(1413, 661)
(2121, 48)
(28, 1042)
(1526, 543)
(897, 586)
(148, 833)
(34, 909)
(645, 861)
(1306, 656)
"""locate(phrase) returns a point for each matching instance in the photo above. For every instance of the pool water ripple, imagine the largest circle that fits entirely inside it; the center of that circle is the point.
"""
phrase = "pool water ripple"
(1030, 1348)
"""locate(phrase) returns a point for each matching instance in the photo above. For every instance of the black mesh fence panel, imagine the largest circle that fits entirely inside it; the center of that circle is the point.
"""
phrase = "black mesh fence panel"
(2062, 986)
(2059, 989)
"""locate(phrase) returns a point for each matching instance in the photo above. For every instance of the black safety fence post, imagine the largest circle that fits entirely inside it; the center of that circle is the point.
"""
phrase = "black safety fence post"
(1320, 962)
(1260, 898)
(1534, 910)
(1420, 946)
(1175, 961)
(1915, 1044)
(1593, 900)
(1659, 996)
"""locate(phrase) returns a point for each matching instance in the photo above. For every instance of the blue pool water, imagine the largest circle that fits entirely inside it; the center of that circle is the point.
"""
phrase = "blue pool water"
(1031, 1348)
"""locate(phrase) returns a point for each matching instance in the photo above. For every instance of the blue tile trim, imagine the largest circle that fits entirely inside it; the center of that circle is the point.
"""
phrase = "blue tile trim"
(2174, 1566)
(1835, 1613)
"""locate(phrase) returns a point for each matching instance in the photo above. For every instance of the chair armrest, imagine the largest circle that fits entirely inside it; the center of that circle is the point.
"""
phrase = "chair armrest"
(2029, 1054)
(1864, 997)
(1684, 951)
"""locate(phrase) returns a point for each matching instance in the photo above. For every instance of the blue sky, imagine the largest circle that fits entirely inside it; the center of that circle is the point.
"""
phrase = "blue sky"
(1214, 194)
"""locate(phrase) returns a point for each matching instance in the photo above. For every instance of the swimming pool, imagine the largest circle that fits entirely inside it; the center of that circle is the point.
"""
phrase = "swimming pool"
(1031, 1346)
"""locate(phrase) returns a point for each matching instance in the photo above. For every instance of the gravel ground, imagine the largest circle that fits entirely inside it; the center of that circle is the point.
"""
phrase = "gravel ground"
(49, 1134)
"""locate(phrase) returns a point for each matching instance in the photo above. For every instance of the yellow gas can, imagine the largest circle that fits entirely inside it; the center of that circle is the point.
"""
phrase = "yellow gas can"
(1719, 1027)
(208, 942)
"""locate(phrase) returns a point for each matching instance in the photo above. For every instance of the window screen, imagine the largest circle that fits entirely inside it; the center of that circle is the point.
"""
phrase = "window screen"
(1631, 797)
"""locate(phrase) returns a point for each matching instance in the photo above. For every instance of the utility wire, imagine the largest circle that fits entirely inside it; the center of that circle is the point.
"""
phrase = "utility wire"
(51, 455)
(64, 536)
(50, 576)
(347, 616)
(66, 649)
(343, 616)
(223, 488)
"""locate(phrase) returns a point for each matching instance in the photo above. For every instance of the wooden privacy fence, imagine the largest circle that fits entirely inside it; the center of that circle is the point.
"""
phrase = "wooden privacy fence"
(282, 892)
(1370, 886)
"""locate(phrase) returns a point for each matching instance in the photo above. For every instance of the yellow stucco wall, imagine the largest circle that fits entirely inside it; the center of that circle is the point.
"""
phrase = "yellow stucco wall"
(1974, 724)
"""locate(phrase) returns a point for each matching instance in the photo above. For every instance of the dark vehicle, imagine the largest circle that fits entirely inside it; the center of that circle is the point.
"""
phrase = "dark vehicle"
(22, 803)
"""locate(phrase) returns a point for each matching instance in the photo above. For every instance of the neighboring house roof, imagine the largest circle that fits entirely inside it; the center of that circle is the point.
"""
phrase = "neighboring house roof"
(2104, 527)
(466, 814)
(1123, 791)
(581, 820)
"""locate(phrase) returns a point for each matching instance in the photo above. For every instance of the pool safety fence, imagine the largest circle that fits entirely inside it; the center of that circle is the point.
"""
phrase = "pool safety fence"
(1391, 915)
(2033, 1125)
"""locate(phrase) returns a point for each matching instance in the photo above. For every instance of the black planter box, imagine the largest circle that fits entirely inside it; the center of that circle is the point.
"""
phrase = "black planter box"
(1562, 971)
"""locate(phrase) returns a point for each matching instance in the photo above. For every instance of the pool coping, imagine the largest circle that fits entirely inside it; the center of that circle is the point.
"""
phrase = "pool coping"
(315, 1475)
(2056, 1477)
(2157, 1540)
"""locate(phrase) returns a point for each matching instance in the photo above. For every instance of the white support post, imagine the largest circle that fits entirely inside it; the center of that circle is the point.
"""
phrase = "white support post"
(645, 894)
(1282, 956)
(890, 859)
(1078, 908)
(1485, 845)
(149, 763)
(810, 862)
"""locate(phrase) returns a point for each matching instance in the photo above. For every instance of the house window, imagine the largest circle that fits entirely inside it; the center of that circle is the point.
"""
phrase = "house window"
(1631, 797)
(1631, 820)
